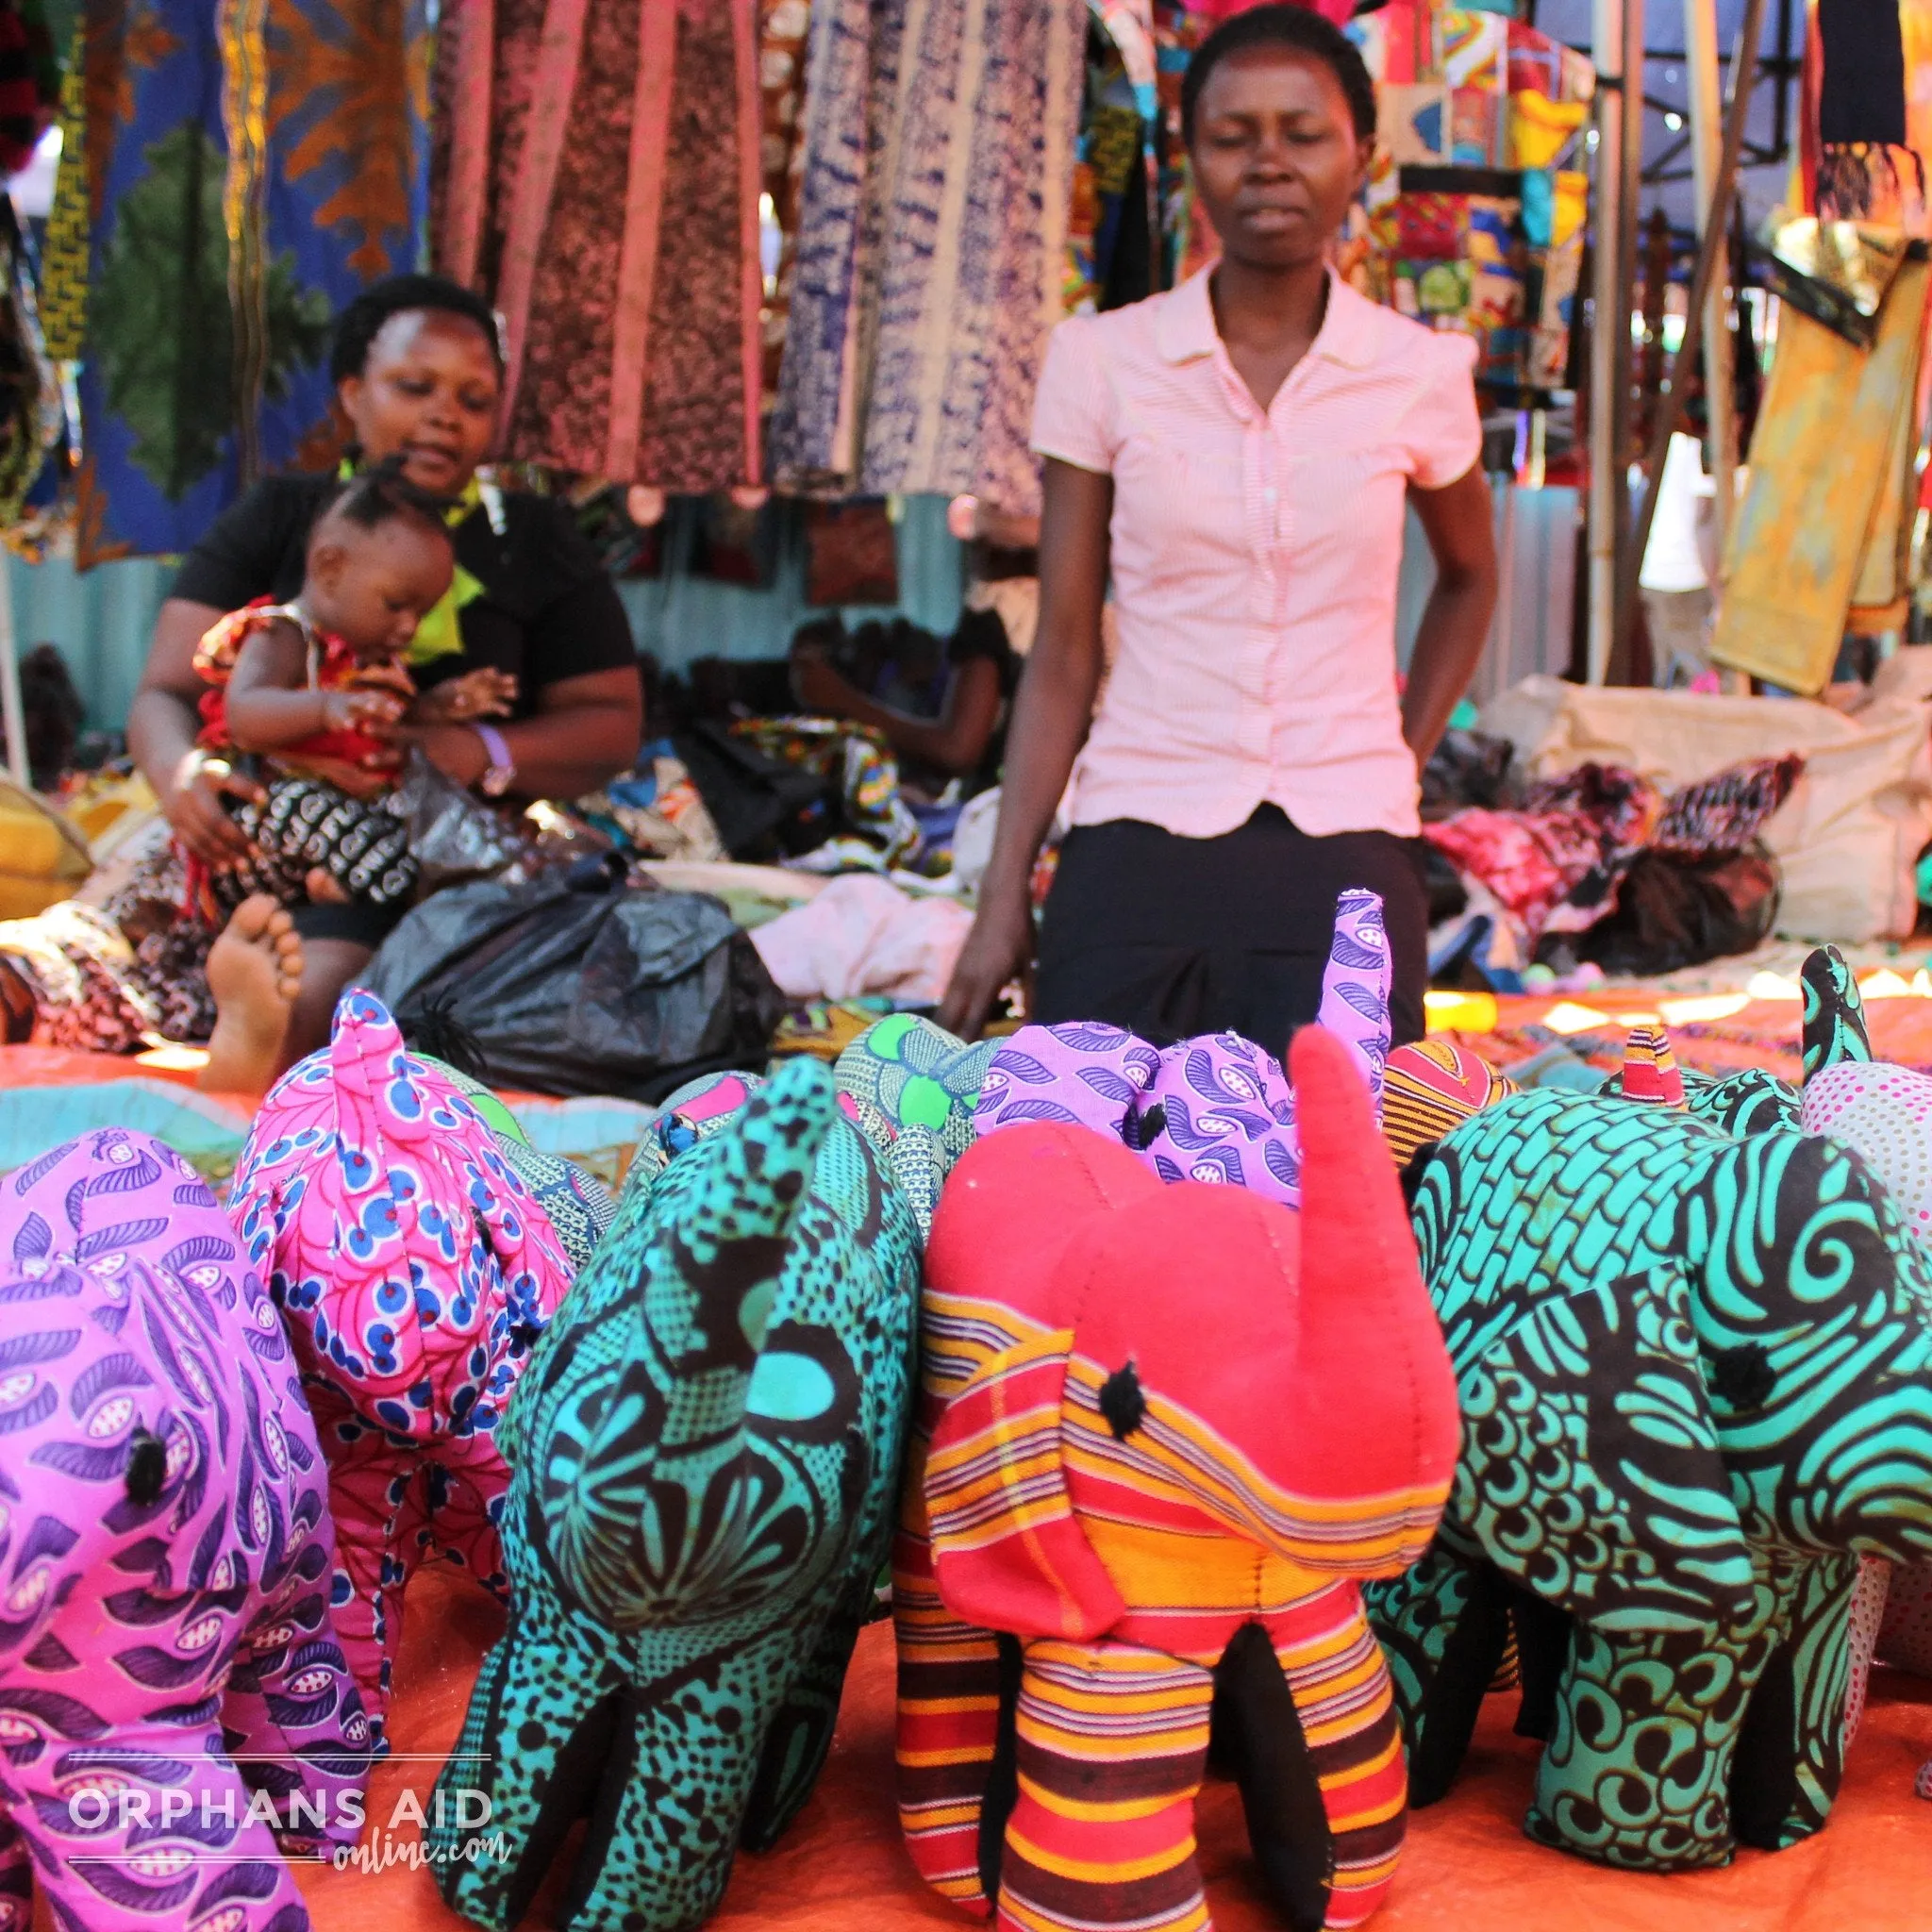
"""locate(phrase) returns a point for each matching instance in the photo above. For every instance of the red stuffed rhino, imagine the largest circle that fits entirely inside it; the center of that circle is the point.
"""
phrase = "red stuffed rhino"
(1164, 1433)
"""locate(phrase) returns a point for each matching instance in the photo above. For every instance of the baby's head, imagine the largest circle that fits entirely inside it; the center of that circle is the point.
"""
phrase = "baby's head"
(379, 558)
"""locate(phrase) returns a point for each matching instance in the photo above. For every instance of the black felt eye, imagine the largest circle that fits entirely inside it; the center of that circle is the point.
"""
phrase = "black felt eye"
(1122, 1403)
(147, 1467)
(1742, 1377)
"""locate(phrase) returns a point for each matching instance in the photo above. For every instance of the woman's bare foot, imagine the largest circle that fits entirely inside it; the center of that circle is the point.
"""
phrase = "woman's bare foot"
(255, 971)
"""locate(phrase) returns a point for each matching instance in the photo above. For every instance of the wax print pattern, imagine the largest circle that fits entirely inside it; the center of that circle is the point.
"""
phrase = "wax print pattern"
(940, 140)
(1692, 1374)
(707, 1448)
(414, 1269)
(250, 165)
(1883, 1113)
(166, 1543)
(1213, 1109)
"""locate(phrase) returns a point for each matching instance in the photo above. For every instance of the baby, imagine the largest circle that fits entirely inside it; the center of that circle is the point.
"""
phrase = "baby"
(318, 689)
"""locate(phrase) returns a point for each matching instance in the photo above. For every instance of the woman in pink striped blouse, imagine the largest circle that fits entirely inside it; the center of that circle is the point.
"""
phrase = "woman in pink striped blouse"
(1236, 453)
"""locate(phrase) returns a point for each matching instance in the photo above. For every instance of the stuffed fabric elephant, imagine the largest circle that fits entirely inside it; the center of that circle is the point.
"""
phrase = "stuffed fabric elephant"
(911, 1088)
(173, 1699)
(1213, 1109)
(1885, 1113)
(413, 1269)
(1130, 1503)
(705, 1446)
(1431, 1086)
(1696, 1386)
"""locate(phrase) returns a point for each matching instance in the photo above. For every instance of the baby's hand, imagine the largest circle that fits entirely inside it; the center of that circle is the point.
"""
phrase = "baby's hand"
(374, 711)
(485, 693)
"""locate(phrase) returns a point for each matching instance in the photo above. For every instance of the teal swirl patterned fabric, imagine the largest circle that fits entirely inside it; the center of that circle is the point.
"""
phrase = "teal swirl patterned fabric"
(706, 1451)
(1835, 1032)
(1697, 1383)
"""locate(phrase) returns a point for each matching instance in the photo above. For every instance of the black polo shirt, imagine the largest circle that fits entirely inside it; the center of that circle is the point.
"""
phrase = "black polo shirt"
(548, 609)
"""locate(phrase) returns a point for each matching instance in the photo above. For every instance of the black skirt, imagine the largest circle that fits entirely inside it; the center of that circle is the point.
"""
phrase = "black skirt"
(1171, 937)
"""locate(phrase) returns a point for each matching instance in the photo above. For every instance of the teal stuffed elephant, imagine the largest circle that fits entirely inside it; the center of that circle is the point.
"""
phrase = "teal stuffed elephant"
(1695, 1375)
(705, 1446)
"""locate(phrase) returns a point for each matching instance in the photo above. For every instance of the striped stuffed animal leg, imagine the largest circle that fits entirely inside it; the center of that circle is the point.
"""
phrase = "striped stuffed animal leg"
(1111, 1748)
(1307, 1714)
(948, 1730)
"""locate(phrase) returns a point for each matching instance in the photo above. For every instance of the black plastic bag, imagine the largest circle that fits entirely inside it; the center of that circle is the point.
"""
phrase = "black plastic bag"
(452, 835)
(763, 808)
(1675, 913)
(572, 983)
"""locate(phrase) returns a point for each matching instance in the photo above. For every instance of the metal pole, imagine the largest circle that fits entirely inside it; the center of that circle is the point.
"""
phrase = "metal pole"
(1707, 137)
(1628, 435)
(11, 712)
(1744, 72)
(1610, 316)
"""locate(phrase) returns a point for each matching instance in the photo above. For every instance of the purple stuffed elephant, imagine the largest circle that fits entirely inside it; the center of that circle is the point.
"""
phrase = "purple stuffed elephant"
(1216, 1109)
(173, 1699)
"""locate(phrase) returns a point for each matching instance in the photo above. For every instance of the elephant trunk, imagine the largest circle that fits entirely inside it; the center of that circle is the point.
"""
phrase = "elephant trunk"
(1368, 1328)
(713, 1282)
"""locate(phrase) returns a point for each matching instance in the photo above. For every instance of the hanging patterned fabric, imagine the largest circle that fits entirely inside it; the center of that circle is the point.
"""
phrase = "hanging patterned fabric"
(1865, 135)
(939, 149)
(600, 180)
(249, 166)
(784, 26)
(1112, 219)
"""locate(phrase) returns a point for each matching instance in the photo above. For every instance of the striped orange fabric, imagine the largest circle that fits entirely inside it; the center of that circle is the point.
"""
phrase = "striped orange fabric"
(949, 1676)
(1157, 1453)
(1650, 1068)
(1430, 1087)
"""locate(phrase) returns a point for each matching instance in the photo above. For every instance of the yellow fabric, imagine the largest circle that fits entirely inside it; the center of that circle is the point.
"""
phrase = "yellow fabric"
(441, 634)
(1826, 437)
(42, 859)
(1538, 127)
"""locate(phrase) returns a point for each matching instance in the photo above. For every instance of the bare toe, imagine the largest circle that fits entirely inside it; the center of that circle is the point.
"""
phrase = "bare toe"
(255, 916)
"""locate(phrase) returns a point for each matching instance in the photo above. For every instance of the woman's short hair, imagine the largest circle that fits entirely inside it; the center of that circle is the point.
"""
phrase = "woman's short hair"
(1296, 30)
(362, 320)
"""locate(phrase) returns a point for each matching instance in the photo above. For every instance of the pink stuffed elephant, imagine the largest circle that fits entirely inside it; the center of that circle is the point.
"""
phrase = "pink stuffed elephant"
(413, 1268)
(173, 1698)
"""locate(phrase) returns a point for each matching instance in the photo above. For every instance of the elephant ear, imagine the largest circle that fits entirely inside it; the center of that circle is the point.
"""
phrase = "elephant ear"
(1591, 1472)
(1835, 1031)
(1007, 1553)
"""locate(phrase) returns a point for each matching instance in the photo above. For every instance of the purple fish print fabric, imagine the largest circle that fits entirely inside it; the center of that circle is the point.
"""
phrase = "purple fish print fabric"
(1215, 1108)
(173, 1698)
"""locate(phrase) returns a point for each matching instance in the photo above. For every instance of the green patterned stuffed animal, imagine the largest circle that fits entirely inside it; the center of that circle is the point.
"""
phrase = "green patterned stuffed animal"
(706, 1445)
(1696, 1386)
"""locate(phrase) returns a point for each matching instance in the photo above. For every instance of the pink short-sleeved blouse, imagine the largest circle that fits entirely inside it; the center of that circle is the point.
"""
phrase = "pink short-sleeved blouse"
(1254, 558)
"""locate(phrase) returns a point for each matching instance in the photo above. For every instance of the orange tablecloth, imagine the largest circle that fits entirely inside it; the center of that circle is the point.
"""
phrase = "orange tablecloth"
(1468, 1867)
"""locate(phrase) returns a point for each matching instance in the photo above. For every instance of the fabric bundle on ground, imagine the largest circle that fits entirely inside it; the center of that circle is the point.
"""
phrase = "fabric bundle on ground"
(414, 1269)
(1848, 836)
(167, 1633)
(707, 1445)
(863, 935)
(1116, 1523)
(1594, 839)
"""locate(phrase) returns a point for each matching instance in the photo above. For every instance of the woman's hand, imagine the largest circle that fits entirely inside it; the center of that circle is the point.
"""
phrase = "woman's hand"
(454, 750)
(192, 803)
(999, 946)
